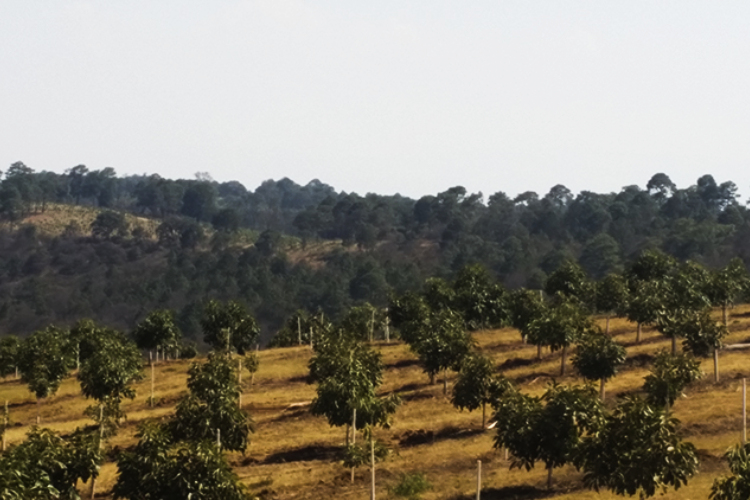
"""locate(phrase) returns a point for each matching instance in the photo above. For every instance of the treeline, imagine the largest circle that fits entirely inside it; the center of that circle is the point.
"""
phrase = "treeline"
(390, 244)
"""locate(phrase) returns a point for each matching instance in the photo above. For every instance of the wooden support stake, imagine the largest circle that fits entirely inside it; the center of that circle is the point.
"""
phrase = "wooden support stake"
(218, 438)
(387, 327)
(716, 365)
(311, 337)
(354, 433)
(299, 331)
(101, 437)
(479, 479)
(372, 466)
(151, 362)
(744, 412)
(5, 425)
(239, 380)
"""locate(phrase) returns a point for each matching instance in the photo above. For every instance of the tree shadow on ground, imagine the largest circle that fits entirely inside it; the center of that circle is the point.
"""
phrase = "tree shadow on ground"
(304, 454)
(422, 436)
(523, 492)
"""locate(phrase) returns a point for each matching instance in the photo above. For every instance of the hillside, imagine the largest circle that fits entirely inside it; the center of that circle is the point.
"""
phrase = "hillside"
(293, 454)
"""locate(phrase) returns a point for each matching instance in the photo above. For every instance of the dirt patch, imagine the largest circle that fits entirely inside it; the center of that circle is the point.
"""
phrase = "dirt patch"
(511, 363)
(523, 492)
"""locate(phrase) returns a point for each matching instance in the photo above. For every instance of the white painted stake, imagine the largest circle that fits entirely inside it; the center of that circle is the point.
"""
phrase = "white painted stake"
(744, 412)
(387, 328)
(5, 424)
(299, 331)
(239, 380)
(151, 362)
(354, 433)
(372, 465)
(218, 438)
(311, 338)
(479, 479)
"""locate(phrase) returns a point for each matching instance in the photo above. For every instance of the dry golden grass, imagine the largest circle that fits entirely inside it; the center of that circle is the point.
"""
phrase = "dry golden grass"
(292, 454)
(57, 217)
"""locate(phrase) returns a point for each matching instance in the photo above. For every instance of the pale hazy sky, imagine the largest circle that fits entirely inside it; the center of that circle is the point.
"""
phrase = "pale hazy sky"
(381, 96)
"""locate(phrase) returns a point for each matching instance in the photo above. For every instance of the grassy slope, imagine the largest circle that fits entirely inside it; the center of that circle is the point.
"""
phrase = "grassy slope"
(291, 455)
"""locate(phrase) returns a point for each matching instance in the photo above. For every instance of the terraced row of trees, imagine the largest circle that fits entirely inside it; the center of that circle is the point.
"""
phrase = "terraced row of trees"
(634, 448)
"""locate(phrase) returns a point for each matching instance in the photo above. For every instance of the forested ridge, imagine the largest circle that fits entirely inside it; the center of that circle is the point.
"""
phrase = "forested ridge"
(151, 242)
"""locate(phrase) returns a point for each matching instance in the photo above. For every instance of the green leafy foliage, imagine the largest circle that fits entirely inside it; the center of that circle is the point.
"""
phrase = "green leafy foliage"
(525, 307)
(158, 331)
(348, 375)
(211, 405)
(411, 486)
(410, 314)
(229, 326)
(477, 385)
(9, 347)
(611, 294)
(636, 451)
(157, 467)
(702, 334)
(669, 376)
(481, 302)
(571, 281)
(598, 357)
(547, 429)
(109, 373)
(737, 485)
(357, 455)
(42, 361)
(443, 344)
(48, 466)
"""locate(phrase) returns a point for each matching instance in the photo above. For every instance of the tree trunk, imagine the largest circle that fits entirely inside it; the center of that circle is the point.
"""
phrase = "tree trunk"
(347, 435)
(724, 314)
(432, 379)
(638, 333)
(607, 327)
(601, 390)
(484, 414)
(539, 351)
(674, 345)
(562, 363)
(38, 416)
(299, 331)
(716, 365)
(549, 477)
(101, 436)
(445, 381)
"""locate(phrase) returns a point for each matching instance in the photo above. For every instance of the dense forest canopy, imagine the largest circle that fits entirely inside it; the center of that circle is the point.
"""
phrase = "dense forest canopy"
(319, 249)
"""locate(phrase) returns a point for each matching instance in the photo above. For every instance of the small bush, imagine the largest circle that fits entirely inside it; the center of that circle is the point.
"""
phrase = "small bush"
(411, 486)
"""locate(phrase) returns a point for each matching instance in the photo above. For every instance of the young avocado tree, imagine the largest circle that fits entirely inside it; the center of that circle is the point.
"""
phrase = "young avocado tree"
(736, 485)
(42, 363)
(525, 306)
(361, 321)
(443, 345)
(598, 357)
(571, 281)
(636, 451)
(348, 374)
(645, 304)
(212, 405)
(477, 385)
(229, 327)
(9, 346)
(703, 336)
(46, 466)
(684, 295)
(559, 327)
(727, 284)
(611, 296)
(158, 331)
(159, 467)
(410, 314)
(481, 302)
(669, 376)
(547, 429)
(295, 331)
(108, 375)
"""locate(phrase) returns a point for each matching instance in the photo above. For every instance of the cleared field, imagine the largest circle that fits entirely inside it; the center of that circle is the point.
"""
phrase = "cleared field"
(294, 455)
